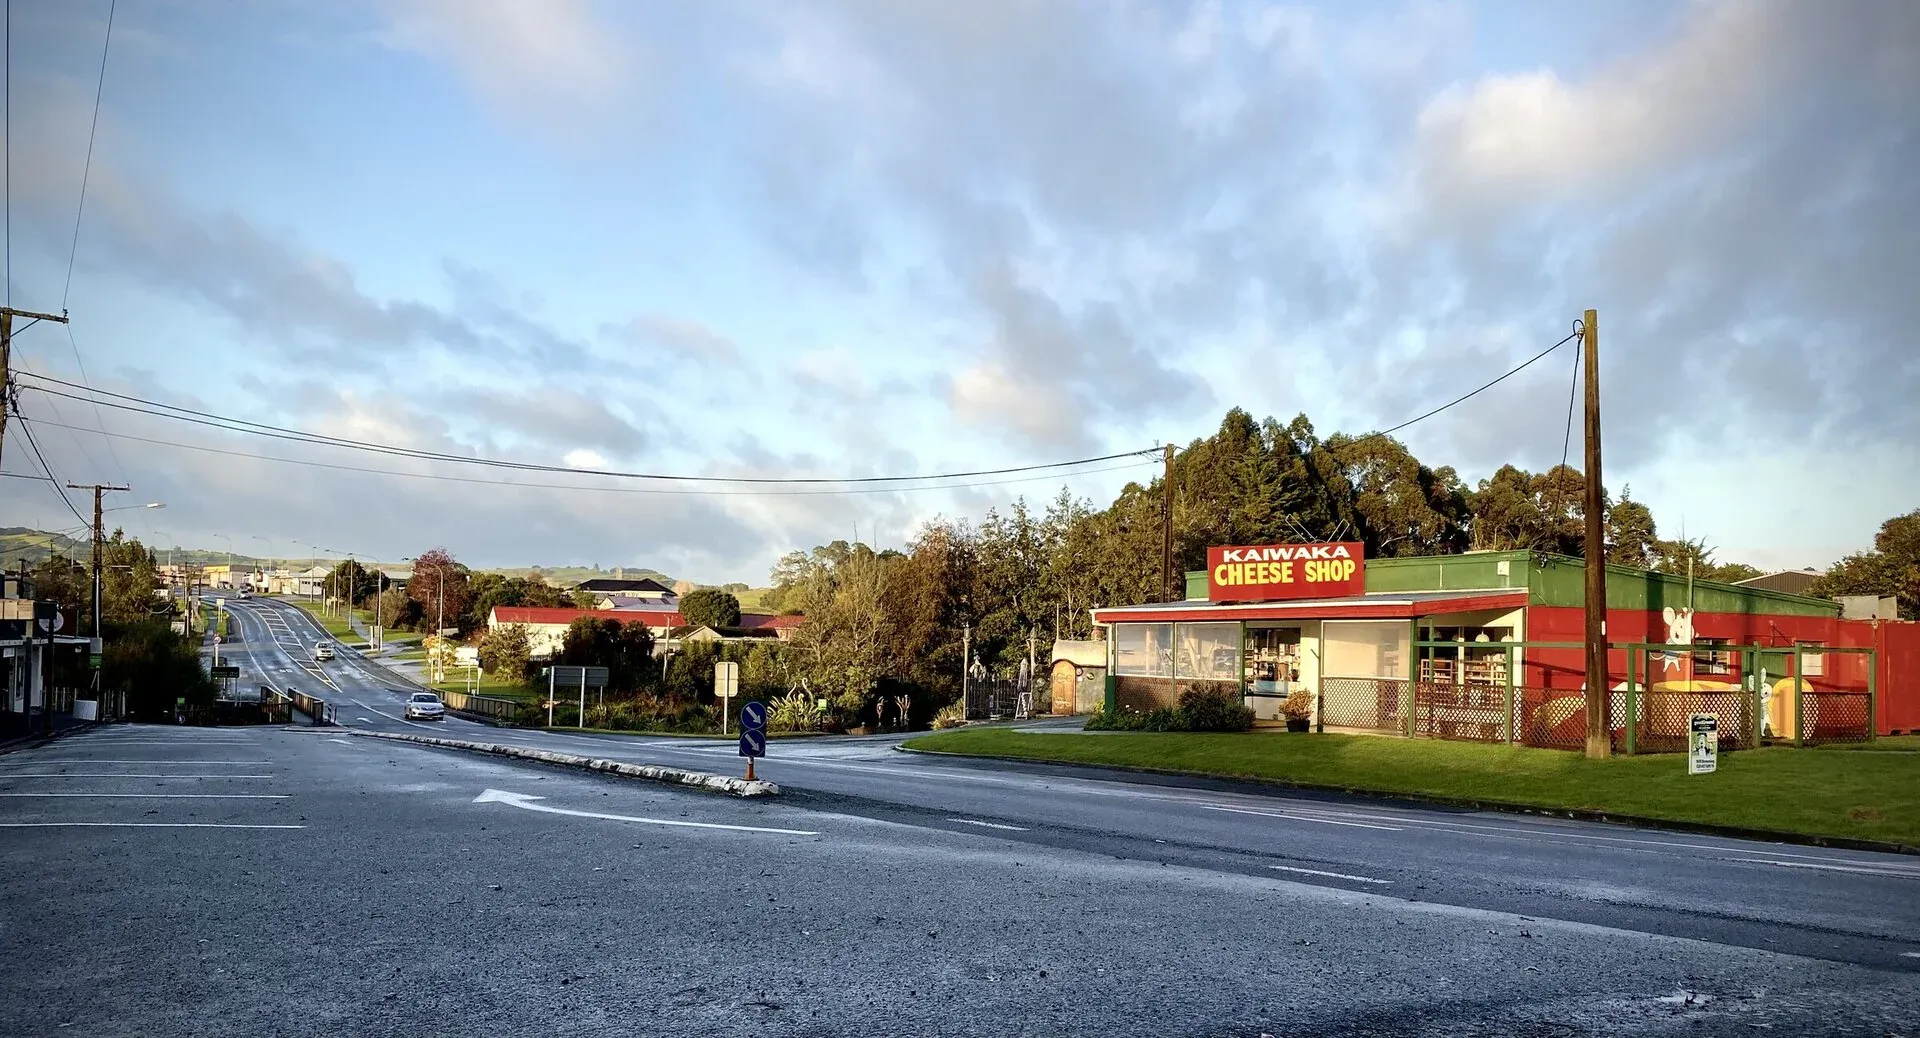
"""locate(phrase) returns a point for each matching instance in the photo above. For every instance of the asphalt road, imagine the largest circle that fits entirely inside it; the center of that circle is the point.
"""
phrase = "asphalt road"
(423, 894)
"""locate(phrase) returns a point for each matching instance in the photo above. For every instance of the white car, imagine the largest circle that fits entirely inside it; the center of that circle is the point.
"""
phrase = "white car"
(322, 651)
(425, 706)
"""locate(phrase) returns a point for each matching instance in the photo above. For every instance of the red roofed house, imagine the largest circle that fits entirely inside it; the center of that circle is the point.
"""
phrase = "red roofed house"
(547, 627)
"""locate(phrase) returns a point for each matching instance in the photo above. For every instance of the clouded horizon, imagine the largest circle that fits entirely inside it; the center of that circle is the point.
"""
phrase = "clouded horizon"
(882, 237)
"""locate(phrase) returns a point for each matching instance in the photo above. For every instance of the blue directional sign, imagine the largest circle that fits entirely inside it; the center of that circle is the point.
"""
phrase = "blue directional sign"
(753, 743)
(754, 715)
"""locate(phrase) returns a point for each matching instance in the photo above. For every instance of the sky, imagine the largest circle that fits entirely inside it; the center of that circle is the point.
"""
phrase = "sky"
(842, 238)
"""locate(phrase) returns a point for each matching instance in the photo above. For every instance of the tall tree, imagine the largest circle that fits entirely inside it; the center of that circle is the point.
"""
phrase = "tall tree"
(1632, 539)
(710, 607)
(1891, 568)
(440, 585)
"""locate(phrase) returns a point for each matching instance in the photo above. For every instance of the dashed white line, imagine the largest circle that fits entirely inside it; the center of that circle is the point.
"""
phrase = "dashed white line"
(1300, 818)
(1332, 875)
(160, 796)
(116, 775)
(990, 825)
(1863, 870)
(140, 825)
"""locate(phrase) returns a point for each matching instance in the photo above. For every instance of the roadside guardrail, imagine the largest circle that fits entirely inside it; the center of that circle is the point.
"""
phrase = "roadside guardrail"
(486, 706)
(319, 710)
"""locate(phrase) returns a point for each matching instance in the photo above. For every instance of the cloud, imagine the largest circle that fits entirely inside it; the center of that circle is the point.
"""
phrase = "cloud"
(676, 338)
(585, 459)
(534, 60)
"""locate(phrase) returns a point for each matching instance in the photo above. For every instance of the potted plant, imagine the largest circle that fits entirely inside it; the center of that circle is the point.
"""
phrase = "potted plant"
(1297, 708)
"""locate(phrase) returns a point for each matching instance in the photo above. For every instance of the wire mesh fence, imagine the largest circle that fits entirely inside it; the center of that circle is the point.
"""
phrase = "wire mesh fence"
(1471, 712)
(1367, 704)
(1830, 717)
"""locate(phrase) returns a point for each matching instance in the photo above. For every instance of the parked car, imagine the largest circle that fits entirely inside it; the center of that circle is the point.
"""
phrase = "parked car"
(425, 706)
(322, 651)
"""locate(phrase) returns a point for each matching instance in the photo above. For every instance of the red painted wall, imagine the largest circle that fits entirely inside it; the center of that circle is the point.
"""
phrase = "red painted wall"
(1898, 645)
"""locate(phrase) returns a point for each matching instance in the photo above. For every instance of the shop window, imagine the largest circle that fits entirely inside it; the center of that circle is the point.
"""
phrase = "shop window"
(1812, 664)
(1143, 650)
(1365, 648)
(1207, 652)
(1273, 659)
(1709, 660)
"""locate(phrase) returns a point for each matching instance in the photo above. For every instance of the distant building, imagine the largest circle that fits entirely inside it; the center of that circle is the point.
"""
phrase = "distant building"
(637, 588)
(635, 603)
(1786, 581)
(547, 626)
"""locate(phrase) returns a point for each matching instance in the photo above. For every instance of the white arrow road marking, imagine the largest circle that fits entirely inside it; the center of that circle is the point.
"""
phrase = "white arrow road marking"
(1334, 875)
(526, 801)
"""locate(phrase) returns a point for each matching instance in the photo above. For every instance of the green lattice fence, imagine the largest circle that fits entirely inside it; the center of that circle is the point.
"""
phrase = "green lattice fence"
(1369, 704)
(1470, 712)
(1828, 717)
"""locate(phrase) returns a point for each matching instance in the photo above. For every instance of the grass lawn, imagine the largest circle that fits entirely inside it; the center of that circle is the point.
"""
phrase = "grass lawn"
(1885, 744)
(1865, 796)
(488, 685)
(333, 624)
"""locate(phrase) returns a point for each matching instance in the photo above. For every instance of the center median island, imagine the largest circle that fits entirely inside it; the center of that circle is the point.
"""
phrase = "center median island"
(1807, 796)
(652, 772)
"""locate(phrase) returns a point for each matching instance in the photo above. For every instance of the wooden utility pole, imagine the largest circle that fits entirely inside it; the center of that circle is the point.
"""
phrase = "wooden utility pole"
(7, 314)
(1599, 689)
(99, 540)
(1166, 528)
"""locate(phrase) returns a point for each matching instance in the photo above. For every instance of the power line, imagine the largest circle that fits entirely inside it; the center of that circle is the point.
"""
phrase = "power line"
(86, 170)
(659, 491)
(25, 475)
(26, 428)
(8, 144)
(1463, 399)
(1573, 390)
(217, 421)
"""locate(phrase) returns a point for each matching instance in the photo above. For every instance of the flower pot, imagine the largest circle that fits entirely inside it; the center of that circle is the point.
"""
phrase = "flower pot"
(1296, 724)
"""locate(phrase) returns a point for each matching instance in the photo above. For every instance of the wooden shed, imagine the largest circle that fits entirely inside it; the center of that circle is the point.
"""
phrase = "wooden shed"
(1078, 676)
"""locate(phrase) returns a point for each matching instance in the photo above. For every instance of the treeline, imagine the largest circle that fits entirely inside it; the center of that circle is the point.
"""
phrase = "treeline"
(142, 655)
(1891, 568)
(890, 622)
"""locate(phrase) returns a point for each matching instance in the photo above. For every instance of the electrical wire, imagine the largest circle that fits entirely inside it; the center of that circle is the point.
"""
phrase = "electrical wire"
(659, 491)
(86, 169)
(217, 421)
(25, 475)
(1463, 399)
(1573, 390)
(26, 428)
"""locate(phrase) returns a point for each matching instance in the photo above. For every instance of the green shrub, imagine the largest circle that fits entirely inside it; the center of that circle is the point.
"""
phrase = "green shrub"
(1212, 710)
(797, 712)
(1199, 711)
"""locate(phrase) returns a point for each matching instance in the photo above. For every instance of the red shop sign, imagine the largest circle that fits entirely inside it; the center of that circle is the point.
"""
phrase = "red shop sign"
(1276, 571)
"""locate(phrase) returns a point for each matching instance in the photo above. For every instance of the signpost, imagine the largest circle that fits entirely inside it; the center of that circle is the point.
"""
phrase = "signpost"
(726, 685)
(753, 733)
(1703, 750)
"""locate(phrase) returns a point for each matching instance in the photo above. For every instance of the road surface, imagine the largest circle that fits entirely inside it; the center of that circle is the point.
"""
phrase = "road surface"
(886, 893)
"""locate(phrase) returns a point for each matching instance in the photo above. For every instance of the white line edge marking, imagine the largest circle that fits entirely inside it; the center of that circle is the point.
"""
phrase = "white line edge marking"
(1300, 818)
(115, 774)
(1864, 869)
(991, 825)
(525, 802)
(1334, 875)
(84, 760)
(162, 796)
(1910, 955)
(140, 825)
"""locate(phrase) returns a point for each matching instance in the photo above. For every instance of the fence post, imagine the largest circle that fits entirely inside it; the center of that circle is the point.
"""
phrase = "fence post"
(1873, 694)
(1413, 674)
(1633, 699)
(1799, 702)
(1509, 725)
(1750, 668)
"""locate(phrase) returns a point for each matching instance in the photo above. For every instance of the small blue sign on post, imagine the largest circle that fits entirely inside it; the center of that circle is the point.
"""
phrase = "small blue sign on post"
(753, 733)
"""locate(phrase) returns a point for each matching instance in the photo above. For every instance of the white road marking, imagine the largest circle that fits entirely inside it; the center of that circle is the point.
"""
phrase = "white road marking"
(87, 760)
(1334, 875)
(526, 802)
(161, 796)
(118, 774)
(1910, 955)
(140, 825)
(990, 825)
(1299, 818)
(1864, 871)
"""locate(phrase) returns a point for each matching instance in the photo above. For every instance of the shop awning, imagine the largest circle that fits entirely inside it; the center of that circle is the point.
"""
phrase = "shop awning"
(1386, 605)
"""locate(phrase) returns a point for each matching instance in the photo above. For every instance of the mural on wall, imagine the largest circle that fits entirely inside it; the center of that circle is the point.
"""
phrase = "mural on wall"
(1677, 666)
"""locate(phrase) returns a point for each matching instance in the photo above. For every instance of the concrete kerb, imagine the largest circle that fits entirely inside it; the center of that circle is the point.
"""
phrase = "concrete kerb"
(651, 772)
(1257, 784)
(42, 738)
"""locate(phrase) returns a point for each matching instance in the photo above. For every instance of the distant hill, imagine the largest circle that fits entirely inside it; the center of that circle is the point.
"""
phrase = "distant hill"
(19, 544)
